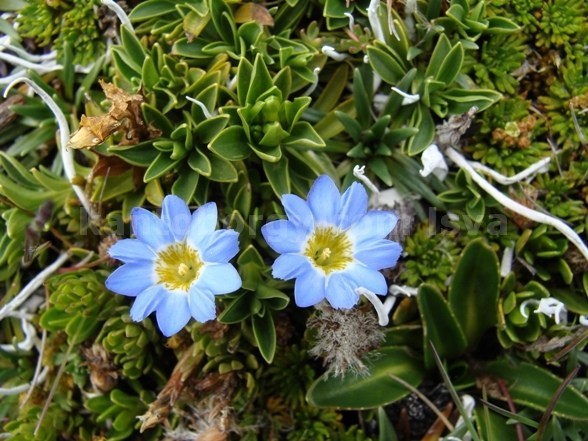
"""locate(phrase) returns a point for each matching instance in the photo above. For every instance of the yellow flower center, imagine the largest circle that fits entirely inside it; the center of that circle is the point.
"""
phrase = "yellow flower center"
(329, 249)
(178, 266)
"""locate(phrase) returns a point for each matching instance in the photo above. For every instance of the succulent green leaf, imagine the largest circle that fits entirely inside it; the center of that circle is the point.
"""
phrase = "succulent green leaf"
(533, 386)
(231, 144)
(237, 311)
(303, 135)
(356, 391)
(162, 164)
(440, 326)
(473, 295)
(260, 81)
(200, 163)
(423, 121)
(451, 65)
(133, 47)
(385, 64)
(278, 176)
(222, 170)
(264, 332)
(152, 8)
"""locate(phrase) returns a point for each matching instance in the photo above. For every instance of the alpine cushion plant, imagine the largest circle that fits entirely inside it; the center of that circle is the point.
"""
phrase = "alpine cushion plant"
(332, 245)
(176, 264)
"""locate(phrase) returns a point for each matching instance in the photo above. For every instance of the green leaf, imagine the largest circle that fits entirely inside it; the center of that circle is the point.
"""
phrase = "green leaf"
(440, 53)
(222, 170)
(200, 163)
(264, 332)
(461, 100)
(152, 8)
(373, 390)
(231, 144)
(303, 135)
(533, 386)
(207, 130)
(244, 72)
(501, 25)
(237, 311)
(473, 295)
(141, 155)
(385, 64)
(186, 183)
(451, 65)
(278, 176)
(162, 164)
(423, 121)
(386, 429)
(260, 80)
(133, 47)
(440, 326)
(362, 100)
(154, 117)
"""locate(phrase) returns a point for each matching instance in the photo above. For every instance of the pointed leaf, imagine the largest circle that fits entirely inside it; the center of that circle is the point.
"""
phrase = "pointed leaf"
(473, 295)
(264, 332)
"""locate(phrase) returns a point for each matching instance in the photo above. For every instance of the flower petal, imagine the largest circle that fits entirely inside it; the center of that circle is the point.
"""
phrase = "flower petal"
(147, 302)
(131, 250)
(378, 254)
(202, 306)
(176, 215)
(340, 291)
(309, 288)
(173, 313)
(219, 278)
(288, 266)
(365, 277)
(283, 236)
(298, 211)
(150, 229)
(220, 246)
(324, 200)
(374, 225)
(130, 279)
(354, 205)
(203, 224)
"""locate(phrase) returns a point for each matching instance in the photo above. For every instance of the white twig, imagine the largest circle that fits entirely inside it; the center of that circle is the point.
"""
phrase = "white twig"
(383, 318)
(330, 51)
(514, 206)
(120, 13)
(15, 390)
(506, 263)
(407, 98)
(32, 286)
(66, 154)
(200, 104)
(20, 61)
(315, 80)
(349, 15)
(408, 291)
(29, 332)
(37, 375)
(359, 173)
(5, 44)
(374, 20)
(538, 167)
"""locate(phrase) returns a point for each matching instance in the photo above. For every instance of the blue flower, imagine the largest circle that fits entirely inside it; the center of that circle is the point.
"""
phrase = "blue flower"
(332, 245)
(176, 265)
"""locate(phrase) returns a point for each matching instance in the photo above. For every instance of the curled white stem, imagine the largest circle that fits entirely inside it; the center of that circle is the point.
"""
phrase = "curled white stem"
(200, 104)
(372, 12)
(64, 135)
(514, 206)
(120, 13)
(538, 167)
(50, 66)
(330, 51)
(315, 79)
(383, 318)
(6, 44)
(349, 15)
(32, 286)
(15, 390)
(359, 173)
(408, 291)
(407, 98)
(30, 336)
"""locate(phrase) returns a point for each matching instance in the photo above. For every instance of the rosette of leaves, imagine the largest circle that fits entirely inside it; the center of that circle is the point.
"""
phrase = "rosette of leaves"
(256, 302)
(560, 22)
(430, 258)
(118, 412)
(565, 102)
(265, 123)
(132, 344)
(64, 23)
(373, 140)
(510, 137)
(78, 304)
(561, 196)
(515, 328)
(435, 75)
(545, 252)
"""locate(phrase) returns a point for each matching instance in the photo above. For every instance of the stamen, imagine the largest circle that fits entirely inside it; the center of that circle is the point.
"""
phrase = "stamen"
(183, 269)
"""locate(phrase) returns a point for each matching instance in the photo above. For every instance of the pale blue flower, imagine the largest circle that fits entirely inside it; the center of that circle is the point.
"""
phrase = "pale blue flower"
(176, 265)
(332, 245)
